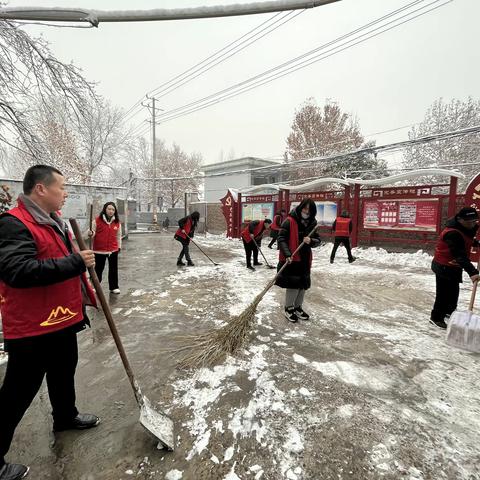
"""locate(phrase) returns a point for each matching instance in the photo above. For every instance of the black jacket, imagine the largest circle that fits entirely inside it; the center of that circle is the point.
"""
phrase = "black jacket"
(456, 245)
(297, 274)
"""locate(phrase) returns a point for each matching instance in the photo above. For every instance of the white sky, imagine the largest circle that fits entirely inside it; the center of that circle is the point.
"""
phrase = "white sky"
(387, 82)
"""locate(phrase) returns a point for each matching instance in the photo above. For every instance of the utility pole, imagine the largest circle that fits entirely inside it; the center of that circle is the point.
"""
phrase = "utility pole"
(153, 109)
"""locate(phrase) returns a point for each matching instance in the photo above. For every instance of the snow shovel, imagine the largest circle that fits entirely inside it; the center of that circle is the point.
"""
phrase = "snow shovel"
(198, 246)
(463, 329)
(260, 250)
(155, 421)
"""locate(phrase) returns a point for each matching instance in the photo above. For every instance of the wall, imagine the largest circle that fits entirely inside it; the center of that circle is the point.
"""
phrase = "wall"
(215, 187)
(212, 219)
(80, 197)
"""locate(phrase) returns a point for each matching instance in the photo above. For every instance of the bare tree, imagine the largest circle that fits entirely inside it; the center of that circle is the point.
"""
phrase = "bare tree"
(319, 132)
(444, 117)
(28, 72)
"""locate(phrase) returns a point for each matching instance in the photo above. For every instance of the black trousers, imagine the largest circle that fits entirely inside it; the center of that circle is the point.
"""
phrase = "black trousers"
(185, 251)
(250, 248)
(446, 298)
(100, 261)
(336, 244)
(54, 355)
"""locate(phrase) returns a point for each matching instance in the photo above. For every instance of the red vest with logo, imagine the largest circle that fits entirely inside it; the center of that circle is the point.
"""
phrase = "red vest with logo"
(442, 252)
(27, 312)
(105, 239)
(187, 227)
(256, 231)
(342, 227)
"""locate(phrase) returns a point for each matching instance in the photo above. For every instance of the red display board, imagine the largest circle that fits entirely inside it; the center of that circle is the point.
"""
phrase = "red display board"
(418, 215)
(229, 207)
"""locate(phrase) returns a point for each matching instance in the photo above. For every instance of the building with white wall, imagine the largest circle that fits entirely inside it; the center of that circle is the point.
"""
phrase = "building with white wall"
(236, 176)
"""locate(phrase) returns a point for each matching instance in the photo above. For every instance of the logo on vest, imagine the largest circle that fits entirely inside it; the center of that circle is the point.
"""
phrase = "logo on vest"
(2, 299)
(58, 315)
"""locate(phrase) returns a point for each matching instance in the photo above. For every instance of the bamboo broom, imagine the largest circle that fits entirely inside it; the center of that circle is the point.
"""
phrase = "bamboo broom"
(214, 346)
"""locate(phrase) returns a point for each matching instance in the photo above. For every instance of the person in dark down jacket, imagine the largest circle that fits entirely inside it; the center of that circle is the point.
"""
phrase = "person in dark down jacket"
(107, 243)
(450, 259)
(43, 293)
(186, 231)
(296, 276)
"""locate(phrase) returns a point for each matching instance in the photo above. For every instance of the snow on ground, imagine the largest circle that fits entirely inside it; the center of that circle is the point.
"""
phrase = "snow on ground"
(367, 389)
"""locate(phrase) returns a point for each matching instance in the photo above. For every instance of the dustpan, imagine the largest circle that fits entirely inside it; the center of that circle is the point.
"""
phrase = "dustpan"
(463, 329)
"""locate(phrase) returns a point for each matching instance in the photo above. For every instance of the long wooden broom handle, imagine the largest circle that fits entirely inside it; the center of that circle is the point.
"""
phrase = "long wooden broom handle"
(474, 289)
(260, 250)
(198, 246)
(108, 313)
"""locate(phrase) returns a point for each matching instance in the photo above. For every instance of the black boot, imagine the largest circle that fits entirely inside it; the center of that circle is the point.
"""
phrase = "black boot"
(13, 471)
(190, 263)
(250, 268)
(180, 263)
(81, 422)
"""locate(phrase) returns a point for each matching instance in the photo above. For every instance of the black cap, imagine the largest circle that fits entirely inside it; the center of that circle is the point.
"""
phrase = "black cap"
(467, 213)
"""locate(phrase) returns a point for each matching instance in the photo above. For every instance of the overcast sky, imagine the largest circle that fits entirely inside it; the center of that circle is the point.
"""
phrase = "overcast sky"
(387, 82)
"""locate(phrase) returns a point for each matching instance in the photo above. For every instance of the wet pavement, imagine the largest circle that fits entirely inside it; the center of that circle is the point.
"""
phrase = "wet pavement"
(366, 390)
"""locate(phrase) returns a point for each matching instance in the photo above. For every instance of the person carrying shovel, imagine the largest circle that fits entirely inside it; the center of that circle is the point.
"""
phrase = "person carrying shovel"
(450, 259)
(43, 292)
(185, 231)
(252, 240)
(295, 278)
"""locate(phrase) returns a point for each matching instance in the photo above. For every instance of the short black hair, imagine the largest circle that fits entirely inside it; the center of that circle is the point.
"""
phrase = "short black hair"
(38, 174)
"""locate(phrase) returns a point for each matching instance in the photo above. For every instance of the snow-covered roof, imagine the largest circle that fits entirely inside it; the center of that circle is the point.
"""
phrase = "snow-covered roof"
(315, 183)
(403, 176)
(261, 188)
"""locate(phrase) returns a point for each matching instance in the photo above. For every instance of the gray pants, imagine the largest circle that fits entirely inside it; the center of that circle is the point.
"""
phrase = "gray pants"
(294, 297)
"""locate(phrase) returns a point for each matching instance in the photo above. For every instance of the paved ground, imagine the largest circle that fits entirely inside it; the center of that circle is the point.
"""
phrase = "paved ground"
(366, 390)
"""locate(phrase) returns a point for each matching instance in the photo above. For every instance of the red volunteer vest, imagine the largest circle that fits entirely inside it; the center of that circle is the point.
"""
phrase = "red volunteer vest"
(293, 243)
(256, 231)
(187, 227)
(277, 221)
(442, 252)
(105, 239)
(27, 312)
(342, 227)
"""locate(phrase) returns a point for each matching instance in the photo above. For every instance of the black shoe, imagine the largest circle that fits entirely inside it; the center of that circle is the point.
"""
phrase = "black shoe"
(439, 324)
(13, 471)
(257, 263)
(190, 263)
(250, 268)
(301, 314)
(81, 422)
(331, 261)
(351, 260)
(291, 315)
(180, 263)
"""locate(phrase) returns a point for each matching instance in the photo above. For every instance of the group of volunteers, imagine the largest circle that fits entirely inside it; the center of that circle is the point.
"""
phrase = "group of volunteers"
(44, 290)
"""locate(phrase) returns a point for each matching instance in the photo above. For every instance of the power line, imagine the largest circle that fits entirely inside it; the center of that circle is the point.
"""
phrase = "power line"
(273, 74)
(220, 58)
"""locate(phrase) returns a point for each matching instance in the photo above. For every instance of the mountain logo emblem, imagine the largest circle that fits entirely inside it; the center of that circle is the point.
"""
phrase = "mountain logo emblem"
(58, 315)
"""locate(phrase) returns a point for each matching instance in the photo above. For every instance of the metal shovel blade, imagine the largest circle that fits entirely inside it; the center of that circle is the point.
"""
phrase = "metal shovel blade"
(158, 423)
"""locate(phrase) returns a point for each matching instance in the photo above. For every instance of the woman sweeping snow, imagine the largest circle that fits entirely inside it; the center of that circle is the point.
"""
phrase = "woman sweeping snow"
(186, 230)
(295, 278)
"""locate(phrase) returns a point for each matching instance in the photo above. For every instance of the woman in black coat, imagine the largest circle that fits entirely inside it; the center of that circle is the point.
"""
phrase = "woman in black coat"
(296, 276)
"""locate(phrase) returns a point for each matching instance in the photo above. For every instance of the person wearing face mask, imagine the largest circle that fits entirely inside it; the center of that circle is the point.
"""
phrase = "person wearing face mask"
(107, 243)
(450, 259)
(295, 278)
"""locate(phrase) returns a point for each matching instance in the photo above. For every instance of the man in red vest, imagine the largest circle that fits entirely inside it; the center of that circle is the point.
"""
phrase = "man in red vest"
(43, 292)
(252, 238)
(342, 228)
(450, 259)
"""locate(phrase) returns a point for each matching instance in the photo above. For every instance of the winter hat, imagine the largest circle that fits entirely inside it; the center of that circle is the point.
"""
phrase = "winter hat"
(468, 213)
